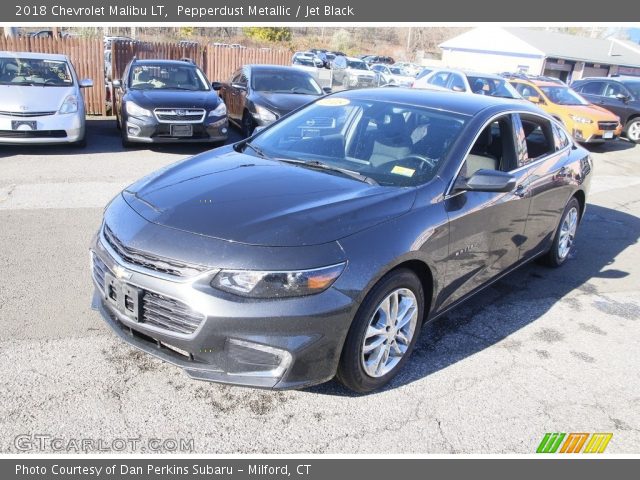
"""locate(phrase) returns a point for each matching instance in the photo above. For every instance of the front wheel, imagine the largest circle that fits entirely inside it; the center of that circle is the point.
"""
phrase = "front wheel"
(632, 130)
(565, 236)
(383, 332)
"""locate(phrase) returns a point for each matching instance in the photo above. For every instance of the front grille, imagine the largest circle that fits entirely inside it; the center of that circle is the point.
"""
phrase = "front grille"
(147, 260)
(607, 125)
(180, 115)
(33, 133)
(99, 269)
(365, 79)
(169, 314)
(26, 114)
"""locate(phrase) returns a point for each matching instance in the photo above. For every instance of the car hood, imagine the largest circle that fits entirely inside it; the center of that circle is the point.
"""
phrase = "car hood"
(24, 98)
(283, 103)
(151, 99)
(356, 71)
(593, 112)
(241, 198)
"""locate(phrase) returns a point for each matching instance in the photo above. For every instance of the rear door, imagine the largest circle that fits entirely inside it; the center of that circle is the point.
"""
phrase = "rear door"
(487, 228)
(603, 93)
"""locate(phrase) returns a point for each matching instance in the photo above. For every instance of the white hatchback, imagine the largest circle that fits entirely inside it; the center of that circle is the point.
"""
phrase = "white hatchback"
(40, 100)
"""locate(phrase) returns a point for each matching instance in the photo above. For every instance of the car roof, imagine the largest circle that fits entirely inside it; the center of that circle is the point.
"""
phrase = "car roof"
(620, 78)
(537, 83)
(44, 56)
(271, 68)
(468, 73)
(150, 61)
(442, 100)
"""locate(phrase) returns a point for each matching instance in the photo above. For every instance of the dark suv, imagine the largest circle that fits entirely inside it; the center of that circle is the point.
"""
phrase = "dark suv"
(621, 95)
(159, 101)
(373, 59)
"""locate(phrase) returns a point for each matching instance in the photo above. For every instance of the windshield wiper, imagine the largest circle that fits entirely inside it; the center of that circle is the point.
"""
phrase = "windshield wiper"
(324, 166)
(258, 150)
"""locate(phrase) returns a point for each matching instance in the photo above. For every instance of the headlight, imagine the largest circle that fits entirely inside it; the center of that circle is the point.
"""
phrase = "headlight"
(136, 110)
(70, 105)
(256, 284)
(578, 119)
(219, 111)
(265, 115)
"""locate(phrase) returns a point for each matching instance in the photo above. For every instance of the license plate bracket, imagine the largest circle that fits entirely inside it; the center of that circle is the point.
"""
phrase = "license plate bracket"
(607, 134)
(181, 130)
(123, 297)
(22, 125)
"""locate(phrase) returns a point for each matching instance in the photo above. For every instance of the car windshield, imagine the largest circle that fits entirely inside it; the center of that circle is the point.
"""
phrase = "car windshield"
(35, 71)
(389, 143)
(397, 71)
(563, 95)
(424, 72)
(494, 87)
(357, 65)
(167, 77)
(634, 88)
(292, 81)
(305, 61)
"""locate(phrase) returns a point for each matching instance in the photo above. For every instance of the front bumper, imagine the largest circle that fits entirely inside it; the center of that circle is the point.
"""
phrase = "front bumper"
(286, 343)
(149, 130)
(593, 134)
(50, 129)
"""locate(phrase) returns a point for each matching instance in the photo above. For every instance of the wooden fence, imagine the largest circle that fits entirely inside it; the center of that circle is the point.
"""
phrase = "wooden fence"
(217, 62)
(86, 55)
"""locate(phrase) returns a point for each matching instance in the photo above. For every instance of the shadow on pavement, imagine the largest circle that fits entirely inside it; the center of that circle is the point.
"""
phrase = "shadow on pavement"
(604, 233)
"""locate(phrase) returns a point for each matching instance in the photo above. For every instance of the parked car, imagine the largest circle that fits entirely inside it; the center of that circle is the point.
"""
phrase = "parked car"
(467, 82)
(352, 72)
(587, 123)
(40, 99)
(411, 69)
(620, 95)
(257, 95)
(373, 59)
(392, 75)
(160, 101)
(315, 66)
(322, 244)
(108, 41)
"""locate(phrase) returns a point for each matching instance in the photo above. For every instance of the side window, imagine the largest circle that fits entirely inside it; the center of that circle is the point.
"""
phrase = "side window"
(235, 78)
(538, 138)
(592, 88)
(613, 89)
(494, 149)
(439, 79)
(560, 137)
(243, 80)
(457, 83)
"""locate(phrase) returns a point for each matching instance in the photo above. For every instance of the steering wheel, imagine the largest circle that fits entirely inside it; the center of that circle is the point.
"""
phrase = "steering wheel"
(429, 161)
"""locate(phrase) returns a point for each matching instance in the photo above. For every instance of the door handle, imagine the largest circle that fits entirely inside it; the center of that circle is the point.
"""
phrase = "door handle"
(520, 191)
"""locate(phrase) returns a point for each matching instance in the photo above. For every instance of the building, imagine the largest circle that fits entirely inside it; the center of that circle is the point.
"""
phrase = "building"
(540, 52)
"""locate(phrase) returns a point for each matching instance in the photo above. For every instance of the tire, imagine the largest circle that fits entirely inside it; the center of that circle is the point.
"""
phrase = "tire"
(82, 143)
(118, 122)
(248, 125)
(632, 130)
(560, 250)
(358, 369)
(125, 141)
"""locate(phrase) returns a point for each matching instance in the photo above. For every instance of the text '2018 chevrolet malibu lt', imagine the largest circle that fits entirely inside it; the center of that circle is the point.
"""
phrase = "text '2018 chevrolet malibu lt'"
(319, 247)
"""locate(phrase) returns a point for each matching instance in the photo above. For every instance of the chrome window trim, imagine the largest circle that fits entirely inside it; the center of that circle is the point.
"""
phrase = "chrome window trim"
(448, 192)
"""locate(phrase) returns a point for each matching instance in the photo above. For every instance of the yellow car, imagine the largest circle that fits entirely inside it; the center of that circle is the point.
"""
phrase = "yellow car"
(587, 123)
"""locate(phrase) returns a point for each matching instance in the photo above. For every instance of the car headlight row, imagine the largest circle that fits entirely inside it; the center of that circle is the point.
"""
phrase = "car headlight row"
(70, 105)
(265, 114)
(219, 111)
(579, 119)
(266, 284)
(136, 110)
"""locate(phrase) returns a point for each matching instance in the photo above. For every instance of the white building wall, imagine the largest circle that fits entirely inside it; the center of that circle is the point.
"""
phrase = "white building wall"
(490, 62)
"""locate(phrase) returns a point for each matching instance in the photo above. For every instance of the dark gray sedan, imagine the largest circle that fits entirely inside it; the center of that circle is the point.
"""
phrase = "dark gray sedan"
(321, 245)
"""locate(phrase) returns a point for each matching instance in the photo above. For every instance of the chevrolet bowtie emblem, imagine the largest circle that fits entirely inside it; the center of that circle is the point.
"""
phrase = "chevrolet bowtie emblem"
(121, 273)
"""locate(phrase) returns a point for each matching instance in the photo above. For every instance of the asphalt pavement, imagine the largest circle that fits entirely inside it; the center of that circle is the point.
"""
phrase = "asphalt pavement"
(541, 351)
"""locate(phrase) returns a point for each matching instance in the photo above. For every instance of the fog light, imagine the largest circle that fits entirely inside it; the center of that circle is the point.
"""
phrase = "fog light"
(224, 130)
(133, 129)
(255, 360)
(578, 134)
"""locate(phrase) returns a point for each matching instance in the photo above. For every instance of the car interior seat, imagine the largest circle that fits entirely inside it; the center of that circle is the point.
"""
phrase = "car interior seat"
(481, 156)
(393, 140)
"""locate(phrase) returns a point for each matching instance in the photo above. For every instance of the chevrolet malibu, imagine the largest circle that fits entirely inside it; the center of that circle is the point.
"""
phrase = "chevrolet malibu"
(40, 100)
(320, 246)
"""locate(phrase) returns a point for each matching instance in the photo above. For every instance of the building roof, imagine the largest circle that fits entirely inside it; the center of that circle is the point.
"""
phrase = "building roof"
(543, 43)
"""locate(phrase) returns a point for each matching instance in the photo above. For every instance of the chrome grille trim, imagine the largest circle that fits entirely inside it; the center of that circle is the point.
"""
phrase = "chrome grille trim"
(149, 261)
(169, 314)
(26, 114)
(171, 115)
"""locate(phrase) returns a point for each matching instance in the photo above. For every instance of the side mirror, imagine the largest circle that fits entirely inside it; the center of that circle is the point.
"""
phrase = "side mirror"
(488, 181)
(116, 84)
(534, 99)
(86, 83)
(239, 86)
(216, 86)
(327, 90)
(622, 97)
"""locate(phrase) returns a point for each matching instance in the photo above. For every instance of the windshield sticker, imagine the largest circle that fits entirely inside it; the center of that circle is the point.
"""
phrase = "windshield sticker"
(333, 102)
(405, 172)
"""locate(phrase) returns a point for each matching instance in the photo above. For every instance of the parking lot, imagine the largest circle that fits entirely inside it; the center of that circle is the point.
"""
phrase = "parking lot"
(540, 351)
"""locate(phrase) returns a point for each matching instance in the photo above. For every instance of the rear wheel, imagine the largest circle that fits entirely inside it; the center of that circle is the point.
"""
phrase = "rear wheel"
(632, 130)
(565, 236)
(383, 333)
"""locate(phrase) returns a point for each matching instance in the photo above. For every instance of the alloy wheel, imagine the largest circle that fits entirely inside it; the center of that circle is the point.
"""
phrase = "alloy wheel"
(567, 232)
(389, 333)
(634, 132)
